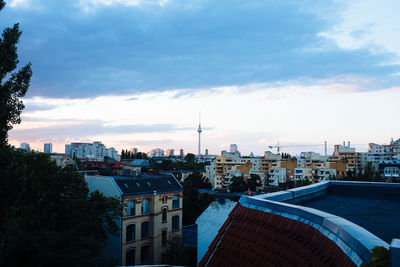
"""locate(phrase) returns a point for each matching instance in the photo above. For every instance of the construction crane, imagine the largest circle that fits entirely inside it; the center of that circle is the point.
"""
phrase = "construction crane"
(278, 147)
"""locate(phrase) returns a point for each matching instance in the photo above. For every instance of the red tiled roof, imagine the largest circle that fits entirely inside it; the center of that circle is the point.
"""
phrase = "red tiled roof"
(251, 237)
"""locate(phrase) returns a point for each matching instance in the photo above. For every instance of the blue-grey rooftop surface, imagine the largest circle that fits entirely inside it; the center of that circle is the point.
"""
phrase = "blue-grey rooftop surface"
(375, 208)
(147, 184)
(357, 216)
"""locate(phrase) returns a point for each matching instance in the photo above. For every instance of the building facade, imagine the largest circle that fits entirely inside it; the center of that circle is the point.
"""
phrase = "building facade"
(152, 216)
(48, 148)
(93, 151)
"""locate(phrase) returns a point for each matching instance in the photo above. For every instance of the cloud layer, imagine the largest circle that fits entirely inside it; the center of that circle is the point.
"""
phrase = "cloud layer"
(94, 47)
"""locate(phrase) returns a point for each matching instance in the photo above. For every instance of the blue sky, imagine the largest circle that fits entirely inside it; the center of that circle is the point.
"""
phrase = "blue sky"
(201, 52)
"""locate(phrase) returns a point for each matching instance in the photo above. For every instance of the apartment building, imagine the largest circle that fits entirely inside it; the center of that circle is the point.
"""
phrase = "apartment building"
(152, 216)
(93, 151)
(347, 153)
(269, 161)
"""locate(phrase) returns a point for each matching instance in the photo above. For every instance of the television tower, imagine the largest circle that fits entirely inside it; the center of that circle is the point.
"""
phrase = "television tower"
(199, 131)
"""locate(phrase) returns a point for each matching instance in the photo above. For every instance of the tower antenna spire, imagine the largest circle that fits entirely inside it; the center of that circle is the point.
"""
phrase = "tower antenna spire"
(199, 130)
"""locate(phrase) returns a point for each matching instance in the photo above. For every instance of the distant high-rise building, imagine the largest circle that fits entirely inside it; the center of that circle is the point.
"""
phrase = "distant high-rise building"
(134, 150)
(206, 152)
(48, 148)
(170, 153)
(25, 146)
(157, 152)
(181, 154)
(233, 148)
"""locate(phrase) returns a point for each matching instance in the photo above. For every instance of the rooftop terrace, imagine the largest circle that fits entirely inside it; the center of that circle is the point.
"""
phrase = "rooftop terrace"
(375, 208)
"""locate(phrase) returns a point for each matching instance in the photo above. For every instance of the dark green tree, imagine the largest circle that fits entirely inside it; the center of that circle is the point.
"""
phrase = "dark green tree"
(47, 216)
(380, 257)
(193, 205)
(190, 157)
(13, 84)
(304, 182)
(254, 182)
(238, 184)
(178, 254)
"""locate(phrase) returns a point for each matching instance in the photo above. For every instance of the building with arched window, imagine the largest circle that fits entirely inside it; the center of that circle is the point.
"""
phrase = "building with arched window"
(152, 215)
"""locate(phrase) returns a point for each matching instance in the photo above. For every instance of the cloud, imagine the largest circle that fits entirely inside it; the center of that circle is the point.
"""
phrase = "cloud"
(31, 107)
(20, 3)
(83, 129)
(120, 48)
(368, 24)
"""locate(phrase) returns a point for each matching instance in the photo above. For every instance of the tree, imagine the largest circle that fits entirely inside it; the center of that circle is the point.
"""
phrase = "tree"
(304, 182)
(238, 184)
(254, 181)
(193, 206)
(47, 216)
(178, 254)
(15, 84)
(190, 157)
(380, 256)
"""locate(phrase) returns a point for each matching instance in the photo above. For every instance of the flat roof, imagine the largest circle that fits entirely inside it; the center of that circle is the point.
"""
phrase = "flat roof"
(375, 208)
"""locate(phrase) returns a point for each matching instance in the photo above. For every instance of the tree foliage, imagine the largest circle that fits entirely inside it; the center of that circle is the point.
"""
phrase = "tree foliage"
(193, 206)
(178, 254)
(47, 216)
(380, 257)
(304, 182)
(240, 185)
(368, 173)
(169, 165)
(13, 84)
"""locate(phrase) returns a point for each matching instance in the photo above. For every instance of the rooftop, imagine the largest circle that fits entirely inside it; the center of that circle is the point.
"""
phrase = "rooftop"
(367, 206)
(271, 229)
(147, 184)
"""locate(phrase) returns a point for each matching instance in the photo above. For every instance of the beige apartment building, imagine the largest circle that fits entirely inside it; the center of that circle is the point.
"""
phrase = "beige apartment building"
(152, 216)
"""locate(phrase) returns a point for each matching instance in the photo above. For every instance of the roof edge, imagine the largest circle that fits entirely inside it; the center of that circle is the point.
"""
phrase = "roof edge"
(355, 241)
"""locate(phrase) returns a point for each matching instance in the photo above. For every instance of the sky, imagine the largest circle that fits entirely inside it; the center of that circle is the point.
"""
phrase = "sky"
(137, 73)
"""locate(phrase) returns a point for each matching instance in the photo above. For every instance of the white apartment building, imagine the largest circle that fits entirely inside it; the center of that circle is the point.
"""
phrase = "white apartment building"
(325, 174)
(302, 174)
(96, 151)
(277, 175)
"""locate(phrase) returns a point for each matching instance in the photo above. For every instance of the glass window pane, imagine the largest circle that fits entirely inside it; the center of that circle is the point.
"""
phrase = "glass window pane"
(175, 202)
(145, 229)
(130, 208)
(145, 206)
(130, 257)
(144, 254)
(130, 233)
(175, 223)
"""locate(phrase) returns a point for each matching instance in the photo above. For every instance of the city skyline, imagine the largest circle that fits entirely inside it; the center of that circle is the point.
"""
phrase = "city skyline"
(135, 73)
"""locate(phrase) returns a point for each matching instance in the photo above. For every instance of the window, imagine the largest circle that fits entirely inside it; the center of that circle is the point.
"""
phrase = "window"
(145, 230)
(175, 223)
(164, 238)
(130, 257)
(130, 233)
(175, 202)
(144, 254)
(130, 208)
(145, 206)
(164, 215)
